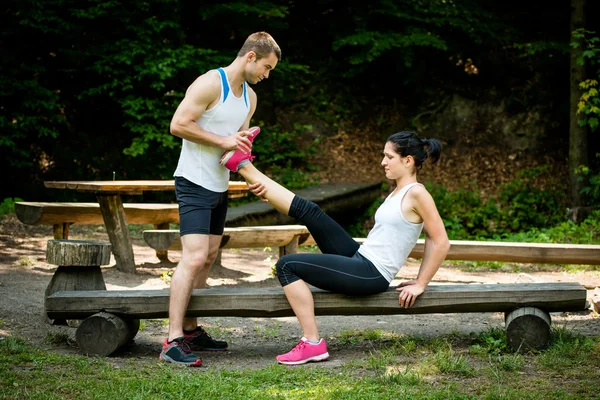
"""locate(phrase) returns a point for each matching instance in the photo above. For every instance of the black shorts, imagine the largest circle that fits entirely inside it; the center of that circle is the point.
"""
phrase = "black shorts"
(200, 210)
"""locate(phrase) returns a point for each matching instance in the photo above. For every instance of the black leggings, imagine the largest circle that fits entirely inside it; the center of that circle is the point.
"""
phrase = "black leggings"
(340, 268)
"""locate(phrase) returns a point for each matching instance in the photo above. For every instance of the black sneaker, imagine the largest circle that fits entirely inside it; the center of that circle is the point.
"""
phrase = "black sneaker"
(178, 352)
(199, 340)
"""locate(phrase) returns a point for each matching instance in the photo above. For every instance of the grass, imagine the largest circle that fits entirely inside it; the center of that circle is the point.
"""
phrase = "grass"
(478, 366)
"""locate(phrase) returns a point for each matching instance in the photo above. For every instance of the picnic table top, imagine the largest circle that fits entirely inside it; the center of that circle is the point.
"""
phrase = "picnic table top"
(128, 187)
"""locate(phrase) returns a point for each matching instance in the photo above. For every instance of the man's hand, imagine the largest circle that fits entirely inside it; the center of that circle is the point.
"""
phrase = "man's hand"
(258, 189)
(238, 141)
(409, 291)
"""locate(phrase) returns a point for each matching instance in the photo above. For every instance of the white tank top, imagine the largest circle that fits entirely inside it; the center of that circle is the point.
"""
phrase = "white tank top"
(199, 163)
(392, 238)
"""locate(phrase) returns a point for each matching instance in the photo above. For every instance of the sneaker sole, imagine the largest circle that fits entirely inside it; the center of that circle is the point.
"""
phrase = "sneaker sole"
(226, 157)
(206, 349)
(170, 360)
(321, 357)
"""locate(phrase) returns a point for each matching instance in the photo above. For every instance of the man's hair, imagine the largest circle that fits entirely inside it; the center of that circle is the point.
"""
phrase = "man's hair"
(262, 44)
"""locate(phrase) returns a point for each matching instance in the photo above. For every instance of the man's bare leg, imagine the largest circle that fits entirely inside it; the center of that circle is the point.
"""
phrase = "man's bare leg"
(194, 256)
(190, 323)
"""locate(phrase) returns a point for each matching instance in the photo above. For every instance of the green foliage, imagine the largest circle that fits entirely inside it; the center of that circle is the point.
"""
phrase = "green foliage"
(590, 178)
(465, 214)
(585, 232)
(519, 206)
(8, 206)
(523, 206)
(589, 103)
(284, 154)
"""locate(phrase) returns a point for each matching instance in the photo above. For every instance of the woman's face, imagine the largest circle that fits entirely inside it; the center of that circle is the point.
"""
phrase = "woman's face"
(394, 165)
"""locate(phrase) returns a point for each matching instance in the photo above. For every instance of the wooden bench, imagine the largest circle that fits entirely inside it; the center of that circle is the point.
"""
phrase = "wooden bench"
(289, 237)
(62, 215)
(286, 237)
(112, 317)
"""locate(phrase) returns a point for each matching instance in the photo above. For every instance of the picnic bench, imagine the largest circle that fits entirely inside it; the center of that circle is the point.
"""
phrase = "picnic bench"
(111, 211)
(289, 237)
(111, 317)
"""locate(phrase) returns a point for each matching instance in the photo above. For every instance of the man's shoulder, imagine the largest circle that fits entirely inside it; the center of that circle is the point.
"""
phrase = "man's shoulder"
(209, 81)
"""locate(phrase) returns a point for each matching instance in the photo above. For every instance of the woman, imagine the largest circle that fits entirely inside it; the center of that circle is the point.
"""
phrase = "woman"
(345, 266)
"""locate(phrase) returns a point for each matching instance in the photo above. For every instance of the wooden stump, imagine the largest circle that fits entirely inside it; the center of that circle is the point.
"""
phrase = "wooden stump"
(77, 253)
(527, 328)
(78, 266)
(103, 333)
(162, 255)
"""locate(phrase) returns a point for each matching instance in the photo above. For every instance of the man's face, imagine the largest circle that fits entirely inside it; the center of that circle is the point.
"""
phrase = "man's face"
(257, 70)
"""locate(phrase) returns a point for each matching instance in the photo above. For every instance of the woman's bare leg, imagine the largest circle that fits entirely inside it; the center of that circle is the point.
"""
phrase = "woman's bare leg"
(278, 196)
(301, 300)
(298, 292)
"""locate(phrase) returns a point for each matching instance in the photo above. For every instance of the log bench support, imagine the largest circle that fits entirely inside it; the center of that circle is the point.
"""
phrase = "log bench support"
(526, 306)
(78, 264)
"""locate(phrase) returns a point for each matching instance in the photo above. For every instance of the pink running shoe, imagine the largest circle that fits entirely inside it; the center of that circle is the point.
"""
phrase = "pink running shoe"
(305, 352)
(233, 158)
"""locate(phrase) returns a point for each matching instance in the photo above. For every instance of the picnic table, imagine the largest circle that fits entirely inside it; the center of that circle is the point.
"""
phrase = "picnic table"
(108, 194)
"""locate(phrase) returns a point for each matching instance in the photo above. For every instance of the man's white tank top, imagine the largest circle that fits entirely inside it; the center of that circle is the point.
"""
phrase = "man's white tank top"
(392, 238)
(199, 163)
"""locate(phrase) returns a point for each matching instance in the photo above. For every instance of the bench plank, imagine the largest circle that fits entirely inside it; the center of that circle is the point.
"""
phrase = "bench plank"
(50, 213)
(271, 302)
(251, 237)
(38, 213)
(233, 238)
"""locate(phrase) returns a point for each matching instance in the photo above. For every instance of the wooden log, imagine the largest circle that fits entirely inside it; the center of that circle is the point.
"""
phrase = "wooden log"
(133, 327)
(236, 238)
(271, 302)
(162, 255)
(73, 278)
(61, 231)
(77, 253)
(102, 334)
(50, 213)
(543, 253)
(290, 248)
(118, 231)
(528, 328)
(78, 267)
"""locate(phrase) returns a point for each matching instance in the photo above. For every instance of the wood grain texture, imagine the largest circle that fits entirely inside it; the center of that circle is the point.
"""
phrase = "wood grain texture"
(128, 187)
(77, 253)
(102, 334)
(234, 238)
(528, 328)
(47, 213)
(271, 302)
(282, 235)
(118, 231)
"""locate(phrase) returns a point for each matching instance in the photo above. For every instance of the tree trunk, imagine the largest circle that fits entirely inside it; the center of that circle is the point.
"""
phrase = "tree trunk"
(578, 145)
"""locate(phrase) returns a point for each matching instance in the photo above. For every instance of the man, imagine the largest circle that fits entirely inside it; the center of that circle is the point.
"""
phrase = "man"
(213, 118)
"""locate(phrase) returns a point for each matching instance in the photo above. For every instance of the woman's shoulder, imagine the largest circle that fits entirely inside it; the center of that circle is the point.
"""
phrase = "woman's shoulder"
(419, 192)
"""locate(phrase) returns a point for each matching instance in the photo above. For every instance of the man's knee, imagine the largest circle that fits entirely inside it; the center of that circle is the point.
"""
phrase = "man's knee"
(195, 260)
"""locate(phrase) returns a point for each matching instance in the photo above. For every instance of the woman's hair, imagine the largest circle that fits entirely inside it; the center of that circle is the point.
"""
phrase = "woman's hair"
(262, 44)
(407, 143)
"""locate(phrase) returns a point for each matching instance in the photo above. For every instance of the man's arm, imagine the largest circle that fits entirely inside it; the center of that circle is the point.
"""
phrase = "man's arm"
(205, 90)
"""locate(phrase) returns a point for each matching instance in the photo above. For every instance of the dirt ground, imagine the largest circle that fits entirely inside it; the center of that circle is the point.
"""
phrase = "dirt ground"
(253, 342)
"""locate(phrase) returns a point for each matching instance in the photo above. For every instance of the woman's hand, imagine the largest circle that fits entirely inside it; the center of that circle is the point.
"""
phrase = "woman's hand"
(409, 291)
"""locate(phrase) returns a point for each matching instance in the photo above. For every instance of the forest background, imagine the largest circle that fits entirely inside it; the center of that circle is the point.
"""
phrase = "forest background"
(88, 89)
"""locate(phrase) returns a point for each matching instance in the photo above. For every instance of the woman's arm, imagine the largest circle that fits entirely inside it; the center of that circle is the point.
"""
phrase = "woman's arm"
(436, 246)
